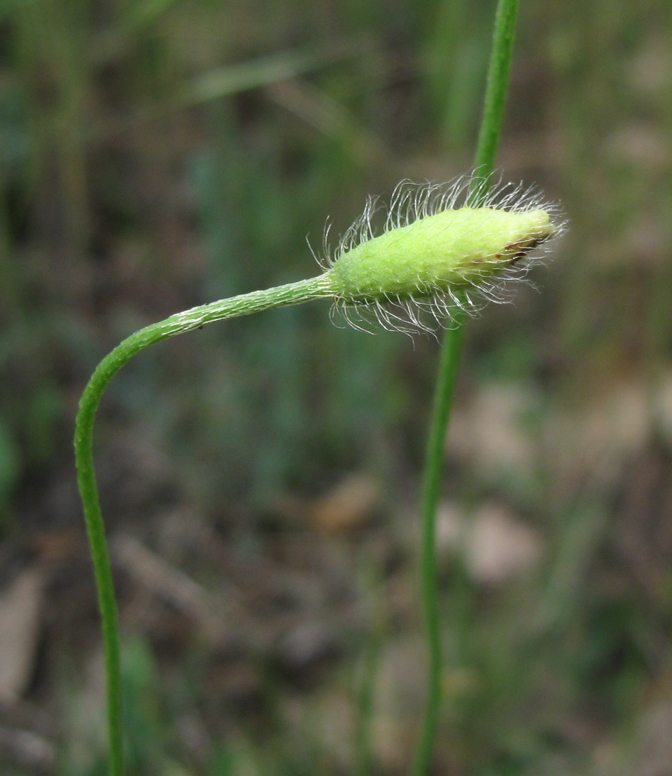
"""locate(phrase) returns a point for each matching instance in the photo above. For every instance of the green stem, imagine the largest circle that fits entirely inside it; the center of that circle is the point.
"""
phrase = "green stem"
(497, 87)
(488, 140)
(431, 488)
(245, 304)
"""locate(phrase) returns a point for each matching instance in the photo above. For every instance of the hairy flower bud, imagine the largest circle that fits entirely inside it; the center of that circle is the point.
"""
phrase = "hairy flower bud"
(435, 251)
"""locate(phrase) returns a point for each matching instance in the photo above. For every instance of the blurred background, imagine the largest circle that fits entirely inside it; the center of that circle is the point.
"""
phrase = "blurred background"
(260, 478)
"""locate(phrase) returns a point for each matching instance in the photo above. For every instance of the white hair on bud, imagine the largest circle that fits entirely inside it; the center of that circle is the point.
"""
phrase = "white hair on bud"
(428, 309)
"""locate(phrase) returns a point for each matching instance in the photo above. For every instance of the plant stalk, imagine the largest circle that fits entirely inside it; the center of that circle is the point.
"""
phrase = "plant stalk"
(245, 304)
(488, 141)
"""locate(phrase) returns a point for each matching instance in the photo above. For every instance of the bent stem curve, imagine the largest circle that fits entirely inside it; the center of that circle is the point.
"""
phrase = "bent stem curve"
(245, 304)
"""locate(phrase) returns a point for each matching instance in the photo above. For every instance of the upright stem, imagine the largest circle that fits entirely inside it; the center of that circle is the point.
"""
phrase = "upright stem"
(245, 304)
(488, 140)
(431, 489)
(496, 89)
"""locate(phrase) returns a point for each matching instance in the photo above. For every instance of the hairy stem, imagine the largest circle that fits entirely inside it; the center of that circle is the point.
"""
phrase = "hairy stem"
(245, 304)
(488, 140)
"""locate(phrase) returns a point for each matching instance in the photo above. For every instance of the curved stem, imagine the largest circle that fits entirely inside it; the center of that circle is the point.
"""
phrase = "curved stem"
(245, 304)
(488, 140)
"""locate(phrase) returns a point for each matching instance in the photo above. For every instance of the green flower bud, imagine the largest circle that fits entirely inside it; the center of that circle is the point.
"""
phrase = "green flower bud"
(434, 252)
(452, 249)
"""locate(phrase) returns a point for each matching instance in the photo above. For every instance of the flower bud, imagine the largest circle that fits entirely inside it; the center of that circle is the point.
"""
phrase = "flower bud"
(433, 253)
(453, 249)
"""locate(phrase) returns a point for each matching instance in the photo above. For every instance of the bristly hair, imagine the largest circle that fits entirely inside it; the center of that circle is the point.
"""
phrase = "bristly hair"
(429, 309)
